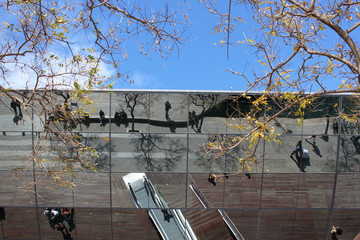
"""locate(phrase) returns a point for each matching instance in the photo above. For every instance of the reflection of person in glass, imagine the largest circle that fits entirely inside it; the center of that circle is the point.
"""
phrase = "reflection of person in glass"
(335, 231)
(167, 108)
(193, 119)
(69, 217)
(56, 217)
(102, 118)
(15, 105)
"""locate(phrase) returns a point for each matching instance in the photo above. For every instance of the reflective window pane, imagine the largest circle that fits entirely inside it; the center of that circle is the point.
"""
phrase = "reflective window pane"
(320, 116)
(208, 224)
(20, 223)
(347, 191)
(286, 157)
(92, 190)
(148, 152)
(291, 224)
(242, 190)
(207, 113)
(130, 112)
(168, 113)
(348, 220)
(212, 191)
(132, 224)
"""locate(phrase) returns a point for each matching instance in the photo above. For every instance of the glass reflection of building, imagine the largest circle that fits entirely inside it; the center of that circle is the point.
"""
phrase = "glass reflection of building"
(162, 136)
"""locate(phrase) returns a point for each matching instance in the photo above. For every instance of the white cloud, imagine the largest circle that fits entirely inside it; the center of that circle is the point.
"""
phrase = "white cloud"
(143, 81)
(21, 76)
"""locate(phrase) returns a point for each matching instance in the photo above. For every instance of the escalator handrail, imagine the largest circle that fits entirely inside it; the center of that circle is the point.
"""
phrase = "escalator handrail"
(223, 214)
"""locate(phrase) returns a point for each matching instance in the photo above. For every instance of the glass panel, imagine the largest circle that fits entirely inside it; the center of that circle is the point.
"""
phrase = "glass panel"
(281, 191)
(20, 223)
(284, 157)
(93, 223)
(297, 190)
(207, 224)
(91, 116)
(16, 150)
(253, 155)
(207, 113)
(212, 191)
(98, 142)
(51, 193)
(287, 122)
(246, 221)
(121, 197)
(242, 190)
(92, 190)
(168, 113)
(347, 191)
(133, 224)
(319, 116)
(349, 157)
(17, 188)
(14, 117)
(348, 220)
(170, 187)
(148, 152)
(315, 190)
(237, 109)
(73, 151)
(130, 112)
(293, 224)
(199, 161)
(350, 122)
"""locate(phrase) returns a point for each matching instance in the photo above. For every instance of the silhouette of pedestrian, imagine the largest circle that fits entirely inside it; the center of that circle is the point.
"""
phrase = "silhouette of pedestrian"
(122, 115)
(167, 215)
(194, 120)
(69, 217)
(167, 108)
(335, 126)
(297, 151)
(102, 118)
(13, 105)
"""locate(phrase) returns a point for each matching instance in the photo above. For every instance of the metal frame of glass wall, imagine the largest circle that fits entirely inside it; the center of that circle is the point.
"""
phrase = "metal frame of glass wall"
(278, 200)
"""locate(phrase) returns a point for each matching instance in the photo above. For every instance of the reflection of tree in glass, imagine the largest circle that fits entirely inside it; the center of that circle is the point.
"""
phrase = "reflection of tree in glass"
(350, 161)
(229, 162)
(71, 156)
(205, 102)
(132, 100)
(101, 148)
(149, 144)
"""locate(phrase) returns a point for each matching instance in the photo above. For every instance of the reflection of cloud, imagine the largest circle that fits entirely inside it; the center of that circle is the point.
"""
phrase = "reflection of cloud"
(143, 81)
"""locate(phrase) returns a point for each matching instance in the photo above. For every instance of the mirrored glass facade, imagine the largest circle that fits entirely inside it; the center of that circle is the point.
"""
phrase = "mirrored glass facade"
(153, 172)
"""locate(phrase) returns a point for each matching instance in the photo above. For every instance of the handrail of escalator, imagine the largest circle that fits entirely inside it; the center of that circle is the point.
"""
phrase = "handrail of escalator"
(132, 194)
(223, 214)
(178, 217)
(200, 196)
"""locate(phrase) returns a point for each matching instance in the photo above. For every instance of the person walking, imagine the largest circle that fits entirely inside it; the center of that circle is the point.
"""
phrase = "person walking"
(102, 118)
(297, 151)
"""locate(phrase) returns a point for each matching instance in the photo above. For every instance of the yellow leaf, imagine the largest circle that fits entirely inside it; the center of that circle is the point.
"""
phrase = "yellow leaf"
(250, 40)
(92, 109)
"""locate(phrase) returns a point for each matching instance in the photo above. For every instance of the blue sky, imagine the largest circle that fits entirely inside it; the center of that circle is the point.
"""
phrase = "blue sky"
(200, 63)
